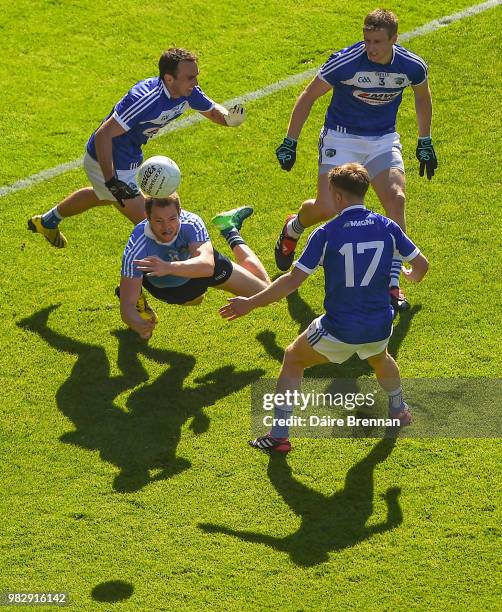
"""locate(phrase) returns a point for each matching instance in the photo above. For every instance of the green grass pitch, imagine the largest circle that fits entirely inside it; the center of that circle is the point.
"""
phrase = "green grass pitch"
(126, 480)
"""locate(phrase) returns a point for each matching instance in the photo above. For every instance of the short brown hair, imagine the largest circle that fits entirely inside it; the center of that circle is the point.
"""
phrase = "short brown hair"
(174, 198)
(170, 60)
(351, 178)
(381, 19)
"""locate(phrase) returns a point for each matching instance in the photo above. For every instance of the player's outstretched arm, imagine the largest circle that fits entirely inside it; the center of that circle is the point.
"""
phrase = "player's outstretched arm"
(200, 264)
(286, 152)
(130, 289)
(229, 117)
(419, 267)
(283, 286)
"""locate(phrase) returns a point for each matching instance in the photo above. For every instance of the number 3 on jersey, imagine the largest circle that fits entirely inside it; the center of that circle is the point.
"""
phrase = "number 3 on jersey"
(347, 251)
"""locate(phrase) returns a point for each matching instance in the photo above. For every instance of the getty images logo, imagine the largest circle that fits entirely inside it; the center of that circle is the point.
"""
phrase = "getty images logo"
(359, 223)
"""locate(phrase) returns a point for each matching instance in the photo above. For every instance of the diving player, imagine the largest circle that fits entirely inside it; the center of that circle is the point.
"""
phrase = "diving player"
(171, 256)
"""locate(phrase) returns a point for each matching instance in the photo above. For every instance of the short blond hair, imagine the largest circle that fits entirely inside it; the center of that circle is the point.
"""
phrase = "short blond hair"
(352, 178)
(381, 19)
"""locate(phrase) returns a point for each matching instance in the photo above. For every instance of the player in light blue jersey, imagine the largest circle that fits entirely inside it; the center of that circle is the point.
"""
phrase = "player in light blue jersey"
(366, 81)
(170, 254)
(356, 250)
(114, 150)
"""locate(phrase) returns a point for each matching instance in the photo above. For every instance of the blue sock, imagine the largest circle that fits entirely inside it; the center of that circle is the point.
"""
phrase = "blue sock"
(280, 431)
(51, 219)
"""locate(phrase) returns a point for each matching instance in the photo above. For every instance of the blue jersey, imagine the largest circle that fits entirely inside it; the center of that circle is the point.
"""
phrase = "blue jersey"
(142, 243)
(367, 95)
(142, 112)
(356, 250)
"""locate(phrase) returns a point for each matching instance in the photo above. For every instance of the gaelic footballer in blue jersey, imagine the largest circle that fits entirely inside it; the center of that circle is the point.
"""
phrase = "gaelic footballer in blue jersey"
(356, 251)
(170, 254)
(114, 151)
(366, 82)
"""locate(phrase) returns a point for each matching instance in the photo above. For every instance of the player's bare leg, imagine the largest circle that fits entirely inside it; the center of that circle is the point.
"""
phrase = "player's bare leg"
(242, 282)
(311, 212)
(229, 223)
(390, 185)
(389, 378)
(247, 258)
(86, 198)
(133, 209)
(298, 356)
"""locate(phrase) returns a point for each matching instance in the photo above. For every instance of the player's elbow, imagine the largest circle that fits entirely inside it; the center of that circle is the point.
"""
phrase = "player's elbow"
(207, 268)
(420, 267)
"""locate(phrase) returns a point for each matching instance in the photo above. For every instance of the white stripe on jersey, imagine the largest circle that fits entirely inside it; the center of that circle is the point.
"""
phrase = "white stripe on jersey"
(341, 64)
(326, 70)
(413, 58)
(342, 56)
(141, 100)
(402, 50)
(155, 91)
(131, 254)
(395, 252)
(141, 104)
(321, 259)
(201, 234)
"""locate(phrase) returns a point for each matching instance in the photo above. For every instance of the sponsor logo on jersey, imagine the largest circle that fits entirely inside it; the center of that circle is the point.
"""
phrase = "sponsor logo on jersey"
(359, 223)
(330, 152)
(375, 98)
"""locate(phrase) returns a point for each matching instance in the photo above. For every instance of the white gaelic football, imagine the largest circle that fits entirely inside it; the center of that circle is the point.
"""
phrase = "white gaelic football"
(158, 176)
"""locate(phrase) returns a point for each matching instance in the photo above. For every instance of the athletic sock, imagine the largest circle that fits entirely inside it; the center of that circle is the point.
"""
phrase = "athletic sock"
(294, 228)
(280, 431)
(232, 237)
(396, 398)
(395, 271)
(51, 219)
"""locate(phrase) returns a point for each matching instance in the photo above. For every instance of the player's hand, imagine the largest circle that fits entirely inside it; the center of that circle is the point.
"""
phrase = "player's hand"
(426, 156)
(236, 307)
(152, 265)
(410, 275)
(286, 153)
(144, 327)
(236, 115)
(120, 190)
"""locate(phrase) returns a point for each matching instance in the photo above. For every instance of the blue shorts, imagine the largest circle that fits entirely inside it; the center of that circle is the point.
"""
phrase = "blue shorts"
(195, 287)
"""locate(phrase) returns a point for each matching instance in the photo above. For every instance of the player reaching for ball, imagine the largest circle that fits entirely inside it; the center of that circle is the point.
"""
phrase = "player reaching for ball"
(171, 256)
(366, 81)
(113, 152)
(356, 250)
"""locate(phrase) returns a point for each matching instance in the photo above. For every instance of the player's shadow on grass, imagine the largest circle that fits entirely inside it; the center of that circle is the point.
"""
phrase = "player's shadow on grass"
(329, 524)
(303, 314)
(141, 441)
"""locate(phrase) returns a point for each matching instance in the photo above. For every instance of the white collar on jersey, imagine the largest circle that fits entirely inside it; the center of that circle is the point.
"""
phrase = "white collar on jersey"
(166, 91)
(149, 234)
(354, 207)
(391, 59)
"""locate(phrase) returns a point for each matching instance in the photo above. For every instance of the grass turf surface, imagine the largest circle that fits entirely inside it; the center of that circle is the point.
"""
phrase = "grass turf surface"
(126, 462)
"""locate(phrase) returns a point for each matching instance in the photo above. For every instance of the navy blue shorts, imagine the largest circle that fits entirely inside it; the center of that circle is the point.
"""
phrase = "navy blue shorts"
(195, 287)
